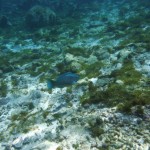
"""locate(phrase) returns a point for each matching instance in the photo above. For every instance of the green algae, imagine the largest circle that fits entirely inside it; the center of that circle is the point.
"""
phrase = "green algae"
(21, 116)
(92, 96)
(14, 81)
(23, 127)
(22, 122)
(77, 51)
(41, 67)
(3, 88)
(2, 137)
(62, 67)
(37, 69)
(69, 89)
(96, 96)
(6, 66)
(119, 95)
(124, 107)
(45, 114)
(57, 115)
(131, 30)
(96, 127)
(97, 131)
(9, 61)
(30, 106)
(75, 146)
(127, 74)
(92, 70)
(59, 148)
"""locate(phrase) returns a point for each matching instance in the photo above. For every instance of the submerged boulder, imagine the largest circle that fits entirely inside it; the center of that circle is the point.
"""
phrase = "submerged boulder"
(39, 16)
(4, 22)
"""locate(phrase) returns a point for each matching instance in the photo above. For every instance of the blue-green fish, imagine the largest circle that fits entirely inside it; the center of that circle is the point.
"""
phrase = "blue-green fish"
(63, 80)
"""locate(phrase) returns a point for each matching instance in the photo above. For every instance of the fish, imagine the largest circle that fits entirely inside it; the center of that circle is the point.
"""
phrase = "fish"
(63, 80)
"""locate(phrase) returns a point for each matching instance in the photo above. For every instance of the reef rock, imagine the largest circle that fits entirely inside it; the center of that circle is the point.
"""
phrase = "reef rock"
(39, 16)
(4, 22)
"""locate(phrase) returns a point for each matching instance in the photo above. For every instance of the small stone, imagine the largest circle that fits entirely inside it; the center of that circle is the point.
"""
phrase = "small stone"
(104, 145)
(75, 66)
(47, 145)
(120, 82)
(17, 143)
(118, 145)
(140, 141)
(35, 94)
(137, 121)
(26, 140)
(92, 59)
(69, 58)
(86, 106)
(126, 121)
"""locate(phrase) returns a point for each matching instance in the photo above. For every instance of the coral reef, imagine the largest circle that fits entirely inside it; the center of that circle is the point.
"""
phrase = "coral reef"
(39, 16)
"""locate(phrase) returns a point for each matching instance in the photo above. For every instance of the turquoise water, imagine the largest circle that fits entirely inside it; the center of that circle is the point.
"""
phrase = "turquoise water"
(106, 44)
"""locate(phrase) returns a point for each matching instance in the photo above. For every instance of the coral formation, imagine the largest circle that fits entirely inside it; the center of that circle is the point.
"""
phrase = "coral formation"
(39, 16)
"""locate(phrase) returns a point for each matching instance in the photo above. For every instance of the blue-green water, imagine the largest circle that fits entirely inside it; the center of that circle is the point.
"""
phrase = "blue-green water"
(105, 43)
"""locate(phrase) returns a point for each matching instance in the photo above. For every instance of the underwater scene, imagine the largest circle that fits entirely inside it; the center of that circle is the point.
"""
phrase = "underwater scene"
(74, 74)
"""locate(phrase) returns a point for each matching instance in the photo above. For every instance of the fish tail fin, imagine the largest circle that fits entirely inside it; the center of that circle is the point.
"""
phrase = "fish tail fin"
(50, 84)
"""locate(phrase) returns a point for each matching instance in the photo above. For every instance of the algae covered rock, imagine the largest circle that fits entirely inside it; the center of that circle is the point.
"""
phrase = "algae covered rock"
(3, 88)
(39, 16)
(92, 59)
(69, 58)
(4, 22)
